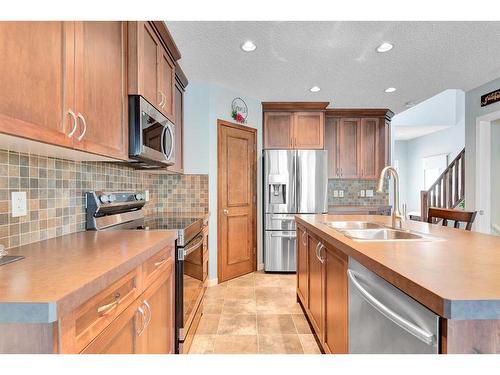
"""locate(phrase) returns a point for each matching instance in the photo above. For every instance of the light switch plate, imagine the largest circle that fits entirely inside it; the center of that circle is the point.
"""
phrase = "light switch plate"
(19, 204)
(369, 193)
(335, 193)
(361, 193)
(341, 193)
(146, 195)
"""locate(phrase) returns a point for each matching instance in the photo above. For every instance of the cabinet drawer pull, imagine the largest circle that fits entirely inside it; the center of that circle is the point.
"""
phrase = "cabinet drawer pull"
(158, 264)
(109, 306)
(164, 100)
(304, 239)
(75, 123)
(80, 137)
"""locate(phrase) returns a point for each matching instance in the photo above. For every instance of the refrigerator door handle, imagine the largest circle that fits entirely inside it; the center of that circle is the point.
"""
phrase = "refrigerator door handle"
(282, 218)
(284, 235)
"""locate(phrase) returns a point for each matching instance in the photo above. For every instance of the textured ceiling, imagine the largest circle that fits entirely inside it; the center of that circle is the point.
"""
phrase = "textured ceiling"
(340, 57)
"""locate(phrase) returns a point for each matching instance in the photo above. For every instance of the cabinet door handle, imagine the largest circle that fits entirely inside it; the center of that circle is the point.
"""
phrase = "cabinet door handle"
(321, 259)
(164, 100)
(143, 319)
(80, 137)
(304, 239)
(161, 101)
(317, 248)
(75, 123)
(148, 308)
(105, 308)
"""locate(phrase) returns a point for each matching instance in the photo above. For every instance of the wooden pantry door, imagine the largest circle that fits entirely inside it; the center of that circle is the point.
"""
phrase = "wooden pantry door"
(236, 181)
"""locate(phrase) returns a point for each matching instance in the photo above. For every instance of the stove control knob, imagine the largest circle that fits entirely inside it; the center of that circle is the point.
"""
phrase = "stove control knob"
(105, 198)
(139, 197)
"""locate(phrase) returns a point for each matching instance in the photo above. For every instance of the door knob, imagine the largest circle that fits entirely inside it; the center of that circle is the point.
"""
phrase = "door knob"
(226, 211)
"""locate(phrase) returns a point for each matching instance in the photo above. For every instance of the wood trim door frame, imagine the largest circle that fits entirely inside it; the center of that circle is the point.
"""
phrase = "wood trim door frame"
(220, 124)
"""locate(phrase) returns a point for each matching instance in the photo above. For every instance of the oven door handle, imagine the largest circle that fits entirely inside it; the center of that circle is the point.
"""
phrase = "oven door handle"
(188, 250)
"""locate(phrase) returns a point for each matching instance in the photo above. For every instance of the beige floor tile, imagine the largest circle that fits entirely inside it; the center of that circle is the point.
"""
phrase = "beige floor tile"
(209, 324)
(239, 306)
(213, 306)
(246, 281)
(240, 344)
(280, 344)
(309, 344)
(216, 291)
(268, 324)
(266, 281)
(202, 344)
(240, 293)
(274, 294)
(239, 324)
(301, 324)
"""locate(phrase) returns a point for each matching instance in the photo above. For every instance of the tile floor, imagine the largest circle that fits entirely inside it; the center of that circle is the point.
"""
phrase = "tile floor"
(255, 313)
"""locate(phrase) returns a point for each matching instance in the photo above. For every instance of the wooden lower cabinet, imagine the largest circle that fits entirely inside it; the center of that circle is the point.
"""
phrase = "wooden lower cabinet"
(302, 267)
(335, 301)
(324, 275)
(121, 336)
(315, 288)
(158, 336)
(145, 326)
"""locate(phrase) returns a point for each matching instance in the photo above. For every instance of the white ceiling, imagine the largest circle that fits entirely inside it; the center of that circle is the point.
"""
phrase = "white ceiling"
(340, 57)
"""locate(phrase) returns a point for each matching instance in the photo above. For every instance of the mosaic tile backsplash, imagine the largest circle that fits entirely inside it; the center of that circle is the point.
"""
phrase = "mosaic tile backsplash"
(55, 192)
(351, 193)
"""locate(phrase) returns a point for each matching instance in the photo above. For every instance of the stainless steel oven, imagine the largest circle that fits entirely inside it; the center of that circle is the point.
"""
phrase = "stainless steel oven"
(151, 135)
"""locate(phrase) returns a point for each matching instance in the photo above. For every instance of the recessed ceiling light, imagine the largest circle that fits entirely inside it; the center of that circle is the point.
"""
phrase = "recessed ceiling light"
(248, 46)
(314, 89)
(385, 47)
(390, 89)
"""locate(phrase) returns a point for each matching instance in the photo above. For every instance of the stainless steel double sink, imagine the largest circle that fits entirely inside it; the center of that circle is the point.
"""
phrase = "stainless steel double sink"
(369, 231)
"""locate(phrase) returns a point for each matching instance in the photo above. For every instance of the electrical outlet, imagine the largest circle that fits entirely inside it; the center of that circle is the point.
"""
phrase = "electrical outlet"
(362, 193)
(19, 206)
(335, 193)
(369, 193)
(146, 195)
(341, 193)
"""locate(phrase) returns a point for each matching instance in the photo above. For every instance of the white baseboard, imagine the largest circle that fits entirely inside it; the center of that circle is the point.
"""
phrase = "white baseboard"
(212, 282)
(260, 266)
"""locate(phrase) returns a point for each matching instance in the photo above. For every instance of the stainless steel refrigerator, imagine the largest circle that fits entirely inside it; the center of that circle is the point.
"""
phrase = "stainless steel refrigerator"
(295, 181)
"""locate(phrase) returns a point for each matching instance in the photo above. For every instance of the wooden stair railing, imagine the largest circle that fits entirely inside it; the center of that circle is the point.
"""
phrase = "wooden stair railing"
(448, 190)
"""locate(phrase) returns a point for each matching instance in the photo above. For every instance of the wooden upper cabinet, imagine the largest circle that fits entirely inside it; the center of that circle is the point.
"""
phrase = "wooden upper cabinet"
(167, 85)
(100, 88)
(368, 146)
(36, 62)
(308, 129)
(151, 70)
(178, 167)
(335, 301)
(302, 267)
(278, 130)
(331, 131)
(294, 130)
(348, 148)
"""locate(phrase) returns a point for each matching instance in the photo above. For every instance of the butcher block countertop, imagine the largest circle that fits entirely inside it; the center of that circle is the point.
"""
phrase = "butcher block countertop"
(458, 276)
(59, 274)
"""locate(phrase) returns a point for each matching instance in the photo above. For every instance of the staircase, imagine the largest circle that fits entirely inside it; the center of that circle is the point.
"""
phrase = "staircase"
(448, 190)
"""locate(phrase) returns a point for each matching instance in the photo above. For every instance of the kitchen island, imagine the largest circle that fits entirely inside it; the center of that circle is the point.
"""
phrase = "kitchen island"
(453, 273)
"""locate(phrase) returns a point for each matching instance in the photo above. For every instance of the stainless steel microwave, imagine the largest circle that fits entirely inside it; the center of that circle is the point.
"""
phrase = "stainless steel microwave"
(151, 135)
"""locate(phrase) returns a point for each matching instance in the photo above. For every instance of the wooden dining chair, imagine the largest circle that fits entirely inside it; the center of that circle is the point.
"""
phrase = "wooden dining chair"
(458, 216)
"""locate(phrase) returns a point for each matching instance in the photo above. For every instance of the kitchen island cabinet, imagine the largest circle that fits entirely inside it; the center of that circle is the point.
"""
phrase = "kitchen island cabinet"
(467, 302)
(122, 301)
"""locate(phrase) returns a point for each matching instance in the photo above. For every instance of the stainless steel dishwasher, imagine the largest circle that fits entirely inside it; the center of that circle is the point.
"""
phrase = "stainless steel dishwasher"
(383, 319)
